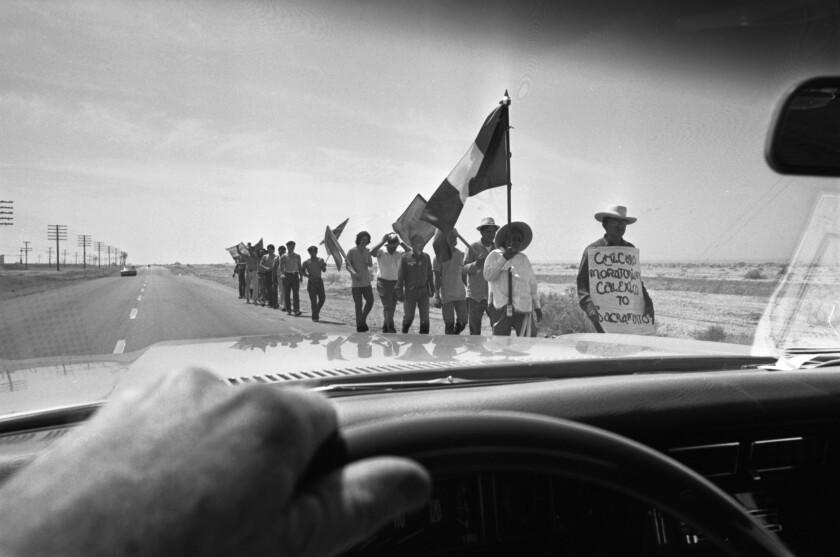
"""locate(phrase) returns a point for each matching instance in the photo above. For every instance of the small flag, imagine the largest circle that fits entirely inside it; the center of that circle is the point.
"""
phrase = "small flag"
(484, 166)
(409, 223)
(337, 230)
(333, 247)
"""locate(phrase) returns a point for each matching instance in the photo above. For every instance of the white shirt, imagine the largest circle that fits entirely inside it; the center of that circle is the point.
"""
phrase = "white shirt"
(526, 295)
(389, 263)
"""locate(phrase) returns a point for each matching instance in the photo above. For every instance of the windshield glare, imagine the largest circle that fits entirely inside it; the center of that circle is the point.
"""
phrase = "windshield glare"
(187, 171)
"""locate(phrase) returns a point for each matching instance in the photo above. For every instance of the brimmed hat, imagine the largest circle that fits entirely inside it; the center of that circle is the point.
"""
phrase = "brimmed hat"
(503, 234)
(615, 212)
(487, 222)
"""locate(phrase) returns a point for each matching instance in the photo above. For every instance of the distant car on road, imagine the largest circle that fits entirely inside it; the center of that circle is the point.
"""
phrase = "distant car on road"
(130, 271)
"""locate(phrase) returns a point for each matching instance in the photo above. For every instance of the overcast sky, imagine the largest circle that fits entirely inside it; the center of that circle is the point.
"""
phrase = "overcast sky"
(176, 129)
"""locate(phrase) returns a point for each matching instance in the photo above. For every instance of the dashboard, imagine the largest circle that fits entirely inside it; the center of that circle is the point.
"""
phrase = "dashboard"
(770, 440)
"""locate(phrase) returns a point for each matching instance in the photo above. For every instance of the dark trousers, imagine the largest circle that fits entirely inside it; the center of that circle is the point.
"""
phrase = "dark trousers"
(416, 299)
(241, 276)
(360, 292)
(477, 310)
(291, 292)
(315, 288)
(387, 290)
(449, 310)
(269, 289)
(502, 323)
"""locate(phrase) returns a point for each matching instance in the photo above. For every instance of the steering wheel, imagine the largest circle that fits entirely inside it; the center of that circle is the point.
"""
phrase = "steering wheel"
(477, 441)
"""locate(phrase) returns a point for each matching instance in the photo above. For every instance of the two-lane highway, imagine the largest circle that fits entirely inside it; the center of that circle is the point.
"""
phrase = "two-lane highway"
(123, 314)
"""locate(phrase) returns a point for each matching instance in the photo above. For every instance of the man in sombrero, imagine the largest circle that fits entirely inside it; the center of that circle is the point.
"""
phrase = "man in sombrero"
(614, 219)
(477, 291)
(512, 312)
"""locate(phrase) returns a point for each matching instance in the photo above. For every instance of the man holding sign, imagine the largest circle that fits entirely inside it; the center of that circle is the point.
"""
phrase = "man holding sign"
(609, 281)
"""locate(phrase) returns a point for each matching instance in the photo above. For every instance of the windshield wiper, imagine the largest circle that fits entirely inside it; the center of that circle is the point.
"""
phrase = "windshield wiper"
(449, 381)
(794, 358)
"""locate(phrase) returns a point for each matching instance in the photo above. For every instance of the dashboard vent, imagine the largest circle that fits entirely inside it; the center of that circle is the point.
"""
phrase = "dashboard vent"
(718, 459)
(340, 372)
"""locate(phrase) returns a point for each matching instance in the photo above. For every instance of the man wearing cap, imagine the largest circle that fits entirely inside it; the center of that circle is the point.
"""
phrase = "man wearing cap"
(289, 269)
(474, 269)
(614, 219)
(415, 285)
(511, 240)
(388, 262)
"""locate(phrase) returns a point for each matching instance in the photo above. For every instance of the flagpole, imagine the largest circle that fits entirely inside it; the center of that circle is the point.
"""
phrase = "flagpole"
(506, 102)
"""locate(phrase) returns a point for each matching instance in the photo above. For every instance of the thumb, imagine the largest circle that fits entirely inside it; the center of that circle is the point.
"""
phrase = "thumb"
(351, 504)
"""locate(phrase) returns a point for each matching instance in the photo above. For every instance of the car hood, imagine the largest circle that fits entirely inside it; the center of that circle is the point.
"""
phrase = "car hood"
(36, 385)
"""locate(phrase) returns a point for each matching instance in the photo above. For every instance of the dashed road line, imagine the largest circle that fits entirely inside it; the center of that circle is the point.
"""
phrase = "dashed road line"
(140, 297)
(120, 347)
(133, 314)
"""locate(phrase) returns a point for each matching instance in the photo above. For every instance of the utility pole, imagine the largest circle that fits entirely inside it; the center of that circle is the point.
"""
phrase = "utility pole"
(65, 257)
(58, 233)
(99, 246)
(49, 255)
(84, 243)
(7, 210)
(26, 249)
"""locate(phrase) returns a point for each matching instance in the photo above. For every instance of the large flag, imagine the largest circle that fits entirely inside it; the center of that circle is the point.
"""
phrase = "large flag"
(409, 223)
(484, 166)
(337, 230)
(333, 247)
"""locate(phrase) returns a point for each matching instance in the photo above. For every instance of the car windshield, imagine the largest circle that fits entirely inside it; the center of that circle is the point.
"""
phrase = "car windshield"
(182, 171)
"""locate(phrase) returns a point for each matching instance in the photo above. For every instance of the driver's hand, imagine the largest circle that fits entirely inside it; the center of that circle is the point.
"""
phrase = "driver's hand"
(189, 466)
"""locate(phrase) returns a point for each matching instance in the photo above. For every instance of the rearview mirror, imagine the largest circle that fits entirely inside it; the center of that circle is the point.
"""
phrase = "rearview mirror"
(805, 137)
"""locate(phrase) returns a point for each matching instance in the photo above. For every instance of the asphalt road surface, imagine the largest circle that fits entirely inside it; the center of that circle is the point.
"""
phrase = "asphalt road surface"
(114, 315)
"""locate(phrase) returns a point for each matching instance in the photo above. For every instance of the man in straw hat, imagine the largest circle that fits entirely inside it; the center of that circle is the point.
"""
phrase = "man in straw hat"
(614, 219)
(477, 290)
(511, 241)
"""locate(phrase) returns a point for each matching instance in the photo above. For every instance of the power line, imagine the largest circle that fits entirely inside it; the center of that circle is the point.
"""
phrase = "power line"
(7, 211)
(57, 233)
(84, 243)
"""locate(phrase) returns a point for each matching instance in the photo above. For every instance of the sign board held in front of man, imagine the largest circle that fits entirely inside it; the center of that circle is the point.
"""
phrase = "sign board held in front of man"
(615, 285)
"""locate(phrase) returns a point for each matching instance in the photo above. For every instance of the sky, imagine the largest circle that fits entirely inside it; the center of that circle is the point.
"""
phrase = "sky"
(173, 130)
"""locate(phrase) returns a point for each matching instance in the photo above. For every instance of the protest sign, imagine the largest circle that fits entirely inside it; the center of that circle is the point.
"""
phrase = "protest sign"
(615, 285)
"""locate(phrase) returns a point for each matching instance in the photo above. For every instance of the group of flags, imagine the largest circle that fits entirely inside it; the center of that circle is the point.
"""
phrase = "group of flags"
(485, 165)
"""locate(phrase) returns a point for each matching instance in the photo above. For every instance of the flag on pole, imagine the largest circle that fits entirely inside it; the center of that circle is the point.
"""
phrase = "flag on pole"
(484, 166)
(233, 251)
(409, 223)
(333, 247)
(337, 230)
(242, 249)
